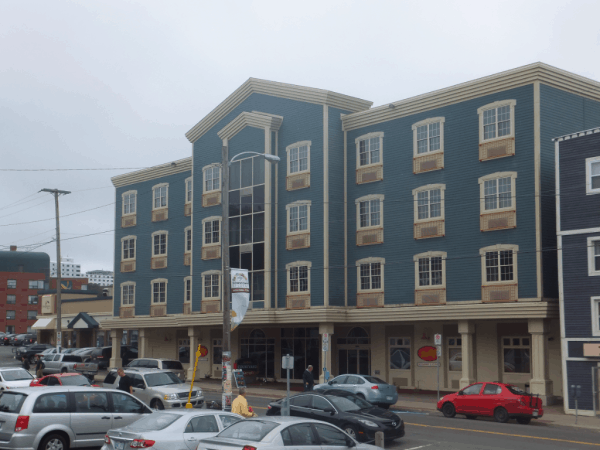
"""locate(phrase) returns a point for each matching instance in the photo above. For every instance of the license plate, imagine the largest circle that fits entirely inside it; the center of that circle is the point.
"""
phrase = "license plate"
(535, 414)
(389, 397)
(119, 445)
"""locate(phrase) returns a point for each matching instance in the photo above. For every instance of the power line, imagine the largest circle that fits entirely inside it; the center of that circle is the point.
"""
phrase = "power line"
(52, 218)
(62, 170)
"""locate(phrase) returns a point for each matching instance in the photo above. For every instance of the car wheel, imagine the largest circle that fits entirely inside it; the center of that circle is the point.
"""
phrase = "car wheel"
(63, 370)
(384, 406)
(524, 420)
(360, 396)
(54, 442)
(448, 410)
(501, 415)
(157, 404)
(471, 417)
(351, 430)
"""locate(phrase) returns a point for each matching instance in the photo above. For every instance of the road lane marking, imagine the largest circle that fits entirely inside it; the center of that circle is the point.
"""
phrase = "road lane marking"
(422, 446)
(505, 434)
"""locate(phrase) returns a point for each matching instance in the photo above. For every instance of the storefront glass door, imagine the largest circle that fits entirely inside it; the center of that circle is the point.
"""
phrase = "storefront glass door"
(354, 361)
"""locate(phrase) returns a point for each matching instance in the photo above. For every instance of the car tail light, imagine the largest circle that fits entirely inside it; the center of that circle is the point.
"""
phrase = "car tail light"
(22, 423)
(248, 447)
(375, 387)
(143, 443)
(268, 406)
(106, 439)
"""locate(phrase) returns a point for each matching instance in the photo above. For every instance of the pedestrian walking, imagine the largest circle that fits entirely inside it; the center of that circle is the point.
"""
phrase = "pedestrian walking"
(124, 382)
(240, 405)
(25, 364)
(308, 379)
(39, 367)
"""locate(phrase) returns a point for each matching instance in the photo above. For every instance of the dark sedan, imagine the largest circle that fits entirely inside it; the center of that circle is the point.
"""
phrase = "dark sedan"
(357, 417)
(6, 340)
(30, 351)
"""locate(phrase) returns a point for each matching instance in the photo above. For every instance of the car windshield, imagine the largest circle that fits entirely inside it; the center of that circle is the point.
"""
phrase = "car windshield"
(516, 390)
(345, 404)
(16, 375)
(154, 422)
(162, 379)
(75, 380)
(254, 431)
(172, 365)
(373, 380)
(362, 404)
(11, 401)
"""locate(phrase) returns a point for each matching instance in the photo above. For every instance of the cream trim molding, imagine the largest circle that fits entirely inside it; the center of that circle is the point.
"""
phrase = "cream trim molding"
(151, 173)
(498, 248)
(250, 119)
(430, 255)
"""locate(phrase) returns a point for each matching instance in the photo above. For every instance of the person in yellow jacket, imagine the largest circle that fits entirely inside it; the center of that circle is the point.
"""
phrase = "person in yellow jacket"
(240, 405)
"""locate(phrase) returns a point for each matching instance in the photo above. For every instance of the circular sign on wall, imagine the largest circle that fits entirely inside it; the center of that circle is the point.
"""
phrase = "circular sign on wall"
(203, 351)
(427, 353)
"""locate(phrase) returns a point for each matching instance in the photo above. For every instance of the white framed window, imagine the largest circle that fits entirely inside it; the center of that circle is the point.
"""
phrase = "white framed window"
(592, 175)
(370, 274)
(211, 228)
(400, 354)
(128, 293)
(369, 149)
(129, 200)
(298, 157)
(160, 196)
(211, 285)
(499, 264)
(497, 192)
(212, 178)
(593, 251)
(298, 217)
(428, 136)
(188, 190)
(128, 247)
(187, 284)
(369, 211)
(429, 202)
(159, 291)
(430, 270)
(454, 345)
(298, 278)
(497, 120)
(188, 239)
(595, 316)
(159, 243)
(516, 352)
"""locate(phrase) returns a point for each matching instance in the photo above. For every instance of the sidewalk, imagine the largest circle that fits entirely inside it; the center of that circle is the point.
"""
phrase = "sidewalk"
(553, 415)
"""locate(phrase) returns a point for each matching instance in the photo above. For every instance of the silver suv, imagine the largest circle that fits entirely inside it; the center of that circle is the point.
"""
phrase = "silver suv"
(58, 418)
(158, 388)
(159, 363)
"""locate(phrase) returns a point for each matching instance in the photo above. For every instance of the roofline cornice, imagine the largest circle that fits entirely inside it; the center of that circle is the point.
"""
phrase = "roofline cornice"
(250, 119)
(275, 89)
(152, 173)
(578, 134)
(502, 81)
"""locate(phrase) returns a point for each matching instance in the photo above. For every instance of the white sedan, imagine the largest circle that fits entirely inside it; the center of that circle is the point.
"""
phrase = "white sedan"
(14, 377)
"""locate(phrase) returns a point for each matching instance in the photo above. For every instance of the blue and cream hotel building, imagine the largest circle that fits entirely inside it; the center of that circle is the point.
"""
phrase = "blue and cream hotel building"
(381, 226)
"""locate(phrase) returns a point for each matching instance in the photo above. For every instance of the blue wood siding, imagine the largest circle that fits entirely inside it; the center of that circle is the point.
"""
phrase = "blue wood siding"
(580, 373)
(175, 225)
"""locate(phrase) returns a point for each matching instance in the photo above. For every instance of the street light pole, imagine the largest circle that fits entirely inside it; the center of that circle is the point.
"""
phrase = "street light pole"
(225, 265)
(56, 193)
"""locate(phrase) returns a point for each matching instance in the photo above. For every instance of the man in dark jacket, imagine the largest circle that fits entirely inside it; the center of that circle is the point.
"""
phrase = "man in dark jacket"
(308, 379)
(39, 367)
(25, 362)
(124, 382)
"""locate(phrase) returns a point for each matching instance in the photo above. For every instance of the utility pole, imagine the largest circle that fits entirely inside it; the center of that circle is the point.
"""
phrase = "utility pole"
(56, 193)
(227, 381)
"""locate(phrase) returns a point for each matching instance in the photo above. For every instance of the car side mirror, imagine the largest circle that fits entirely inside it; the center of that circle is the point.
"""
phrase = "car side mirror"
(330, 411)
(330, 383)
(460, 393)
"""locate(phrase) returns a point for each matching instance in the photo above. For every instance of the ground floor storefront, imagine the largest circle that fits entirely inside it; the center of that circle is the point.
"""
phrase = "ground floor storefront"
(524, 352)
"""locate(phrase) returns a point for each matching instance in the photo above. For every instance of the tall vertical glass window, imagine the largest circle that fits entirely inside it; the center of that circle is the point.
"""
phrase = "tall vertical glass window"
(247, 223)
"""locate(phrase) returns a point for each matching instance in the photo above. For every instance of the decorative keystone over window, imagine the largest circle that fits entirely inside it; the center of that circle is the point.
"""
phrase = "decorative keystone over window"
(369, 219)
(428, 145)
(211, 238)
(370, 292)
(160, 202)
(298, 225)
(497, 130)
(211, 291)
(211, 188)
(499, 281)
(369, 157)
(159, 249)
(187, 210)
(429, 211)
(430, 278)
(128, 252)
(128, 214)
(298, 166)
(298, 284)
(498, 206)
(158, 307)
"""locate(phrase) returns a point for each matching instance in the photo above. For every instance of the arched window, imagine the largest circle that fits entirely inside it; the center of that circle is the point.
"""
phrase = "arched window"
(257, 334)
(358, 335)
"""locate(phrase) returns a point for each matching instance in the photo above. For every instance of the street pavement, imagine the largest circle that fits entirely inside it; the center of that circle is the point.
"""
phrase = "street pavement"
(428, 429)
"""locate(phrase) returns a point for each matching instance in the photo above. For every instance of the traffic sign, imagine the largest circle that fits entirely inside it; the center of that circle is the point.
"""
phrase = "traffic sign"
(287, 362)
(325, 340)
(439, 350)
(325, 335)
(325, 346)
(438, 339)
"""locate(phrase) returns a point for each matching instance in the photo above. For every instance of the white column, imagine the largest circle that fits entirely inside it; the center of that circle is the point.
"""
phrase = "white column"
(143, 349)
(116, 336)
(326, 357)
(193, 334)
(540, 375)
(467, 331)
(268, 218)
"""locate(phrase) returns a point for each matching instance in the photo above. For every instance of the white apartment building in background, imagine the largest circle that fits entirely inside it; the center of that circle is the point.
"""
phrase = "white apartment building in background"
(68, 269)
(101, 277)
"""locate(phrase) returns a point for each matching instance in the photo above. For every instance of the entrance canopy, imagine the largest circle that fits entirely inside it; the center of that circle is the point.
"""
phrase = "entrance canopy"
(83, 321)
(44, 324)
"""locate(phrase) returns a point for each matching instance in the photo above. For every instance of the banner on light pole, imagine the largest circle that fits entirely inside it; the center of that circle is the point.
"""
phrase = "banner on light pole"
(240, 296)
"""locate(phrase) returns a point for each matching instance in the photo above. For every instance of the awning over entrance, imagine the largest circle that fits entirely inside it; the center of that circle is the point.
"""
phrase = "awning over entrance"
(83, 321)
(44, 324)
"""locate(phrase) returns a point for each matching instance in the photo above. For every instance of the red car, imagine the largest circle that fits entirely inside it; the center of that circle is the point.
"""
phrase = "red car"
(498, 400)
(62, 379)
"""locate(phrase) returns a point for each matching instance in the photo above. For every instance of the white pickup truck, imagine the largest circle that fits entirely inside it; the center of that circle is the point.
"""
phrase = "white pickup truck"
(60, 363)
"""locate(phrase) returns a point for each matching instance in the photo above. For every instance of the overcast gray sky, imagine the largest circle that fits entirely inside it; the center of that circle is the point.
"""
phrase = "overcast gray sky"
(109, 84)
